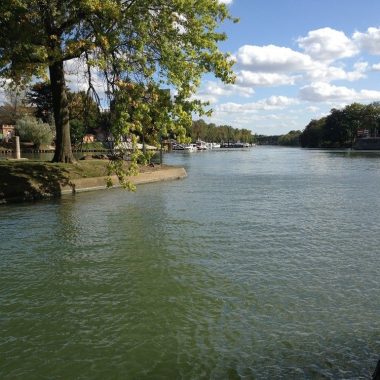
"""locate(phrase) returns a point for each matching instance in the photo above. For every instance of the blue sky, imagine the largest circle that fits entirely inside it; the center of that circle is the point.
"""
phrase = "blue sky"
(295, 60)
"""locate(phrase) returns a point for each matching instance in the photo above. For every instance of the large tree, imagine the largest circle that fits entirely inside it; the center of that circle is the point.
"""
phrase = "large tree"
(14, 106)
(136, 44)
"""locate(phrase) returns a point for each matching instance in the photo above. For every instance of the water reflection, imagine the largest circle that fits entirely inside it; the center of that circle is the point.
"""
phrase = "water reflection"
(261, 264)
(355, 153)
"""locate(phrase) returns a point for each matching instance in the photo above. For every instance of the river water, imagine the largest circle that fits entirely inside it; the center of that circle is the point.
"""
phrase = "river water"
(262, 264)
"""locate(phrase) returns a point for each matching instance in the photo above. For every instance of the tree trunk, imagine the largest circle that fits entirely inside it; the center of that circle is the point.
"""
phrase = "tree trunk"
(63, 152)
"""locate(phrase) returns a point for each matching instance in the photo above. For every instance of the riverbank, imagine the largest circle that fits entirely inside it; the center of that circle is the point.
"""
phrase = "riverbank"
(33, 180)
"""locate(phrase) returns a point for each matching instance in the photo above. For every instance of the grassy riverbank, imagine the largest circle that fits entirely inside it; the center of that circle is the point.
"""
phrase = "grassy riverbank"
(32, 180)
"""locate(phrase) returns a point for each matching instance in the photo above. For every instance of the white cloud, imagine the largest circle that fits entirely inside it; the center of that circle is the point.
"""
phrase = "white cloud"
(312, 109)
(369, 95)
(212, 91)
(369, 41)
(271, 103)
(360, 68)
(325, 92)
(205, 98)
(321, 92)
(376, 67)
(75, 75)
(260, 79)
(77, 78)
(4, 83)
(327, 45)
(277, 66)
(271, 58)
(326, 73)
(227, 2)
(280, 101)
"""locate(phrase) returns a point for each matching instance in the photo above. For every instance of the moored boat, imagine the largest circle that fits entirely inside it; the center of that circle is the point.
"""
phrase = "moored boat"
(190, 147)
(235, 145)
(201, 145)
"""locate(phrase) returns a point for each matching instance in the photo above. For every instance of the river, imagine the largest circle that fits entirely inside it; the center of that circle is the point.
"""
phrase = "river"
(262, 264)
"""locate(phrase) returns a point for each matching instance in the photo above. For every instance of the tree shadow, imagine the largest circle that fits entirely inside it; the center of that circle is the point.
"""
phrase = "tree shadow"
(28, 181)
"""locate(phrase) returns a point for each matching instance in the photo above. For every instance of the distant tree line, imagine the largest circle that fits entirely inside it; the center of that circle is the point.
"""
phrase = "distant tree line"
(342, 126)
(267, 140)
(289, 139)
(210, 132)
(339, 129)
(292, 138)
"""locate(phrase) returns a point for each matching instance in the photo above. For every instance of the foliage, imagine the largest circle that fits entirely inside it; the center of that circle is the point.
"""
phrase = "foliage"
(39, 96)
(117, 167)
(335, 129)
(96, 145)
(340, 127)
(267, 140)
(33, 130)
(223, 133)
(290, 139)
(83, 109)
(146, 157)
(14, 106)
(77, 131)
(84, 113)
(140, 46)
(311, 136)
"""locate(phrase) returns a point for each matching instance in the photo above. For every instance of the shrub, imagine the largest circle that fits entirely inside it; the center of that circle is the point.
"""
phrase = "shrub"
(33, 130)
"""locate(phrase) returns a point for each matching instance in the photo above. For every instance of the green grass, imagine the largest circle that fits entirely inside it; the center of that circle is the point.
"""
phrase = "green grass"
(29, 168)
(29, 180)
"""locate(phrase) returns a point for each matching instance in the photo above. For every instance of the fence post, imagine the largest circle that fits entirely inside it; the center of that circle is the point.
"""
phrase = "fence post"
(17, 152)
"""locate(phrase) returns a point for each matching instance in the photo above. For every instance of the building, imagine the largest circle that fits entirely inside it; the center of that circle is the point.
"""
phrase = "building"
(88, 138)
(367, 139)
(7, 132)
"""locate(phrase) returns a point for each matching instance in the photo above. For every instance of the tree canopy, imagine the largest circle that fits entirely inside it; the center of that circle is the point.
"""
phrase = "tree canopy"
(341, 127)
(139, 46)
(290, 139)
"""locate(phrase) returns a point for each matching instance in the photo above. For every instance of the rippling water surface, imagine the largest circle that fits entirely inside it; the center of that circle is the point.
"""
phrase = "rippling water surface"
(261, 264)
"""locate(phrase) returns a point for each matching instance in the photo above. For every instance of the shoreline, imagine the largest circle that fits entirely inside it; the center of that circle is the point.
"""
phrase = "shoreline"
(166, 173)
(26, 181)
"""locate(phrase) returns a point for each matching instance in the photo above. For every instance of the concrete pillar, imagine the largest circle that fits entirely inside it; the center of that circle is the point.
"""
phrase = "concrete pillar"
(17, 152)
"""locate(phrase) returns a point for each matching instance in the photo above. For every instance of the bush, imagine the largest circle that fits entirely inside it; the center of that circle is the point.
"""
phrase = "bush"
(33, 130)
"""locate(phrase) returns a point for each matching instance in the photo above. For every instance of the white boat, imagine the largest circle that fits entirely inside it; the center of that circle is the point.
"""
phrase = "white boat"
(235, 145)
(190, 147)
(209, 145)
(178, 147)
(201, 145)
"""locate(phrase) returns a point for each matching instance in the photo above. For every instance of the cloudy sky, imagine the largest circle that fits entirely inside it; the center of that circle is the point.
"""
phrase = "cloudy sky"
(295, 60)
